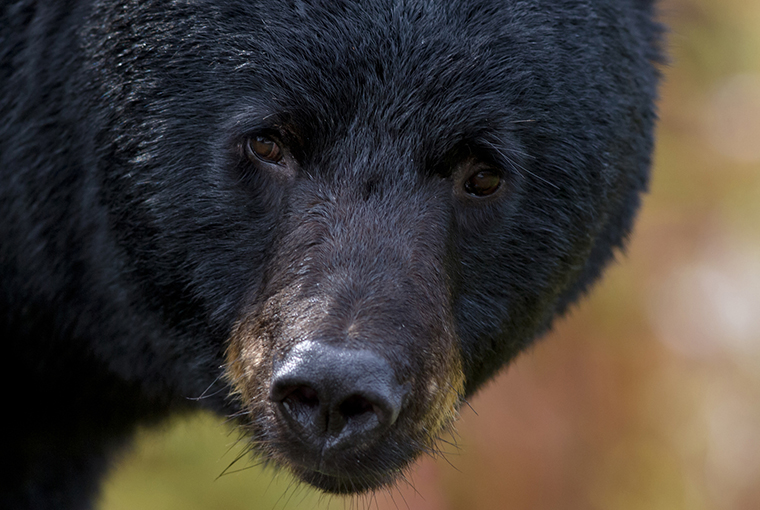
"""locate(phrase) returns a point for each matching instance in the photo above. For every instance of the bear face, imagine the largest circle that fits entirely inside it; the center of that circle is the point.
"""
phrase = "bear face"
(360, 211)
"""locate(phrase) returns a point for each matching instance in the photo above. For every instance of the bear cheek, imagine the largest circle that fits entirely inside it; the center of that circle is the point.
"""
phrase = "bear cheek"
(246, 363)
(443, 392)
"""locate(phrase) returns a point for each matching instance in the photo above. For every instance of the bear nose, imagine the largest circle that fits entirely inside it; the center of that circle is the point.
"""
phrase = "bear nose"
(332, 396)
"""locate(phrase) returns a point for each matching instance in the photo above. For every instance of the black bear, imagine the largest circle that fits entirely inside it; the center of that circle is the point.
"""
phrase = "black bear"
(331, 220)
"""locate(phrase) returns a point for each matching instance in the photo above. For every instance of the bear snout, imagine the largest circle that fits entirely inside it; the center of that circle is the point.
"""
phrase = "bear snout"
(334, 398)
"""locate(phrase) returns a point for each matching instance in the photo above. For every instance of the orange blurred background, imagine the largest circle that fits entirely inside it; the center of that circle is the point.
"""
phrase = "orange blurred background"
(646, 397)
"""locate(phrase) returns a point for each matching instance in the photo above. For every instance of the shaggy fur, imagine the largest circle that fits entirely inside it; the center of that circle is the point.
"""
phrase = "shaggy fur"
(146, 258)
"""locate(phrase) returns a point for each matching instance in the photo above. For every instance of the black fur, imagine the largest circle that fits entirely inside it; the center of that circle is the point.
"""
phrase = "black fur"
(135, 233)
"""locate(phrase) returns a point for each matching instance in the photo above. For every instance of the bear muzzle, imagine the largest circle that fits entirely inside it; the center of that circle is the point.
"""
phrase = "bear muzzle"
(343, 416)
(335, 398)
(348, 365)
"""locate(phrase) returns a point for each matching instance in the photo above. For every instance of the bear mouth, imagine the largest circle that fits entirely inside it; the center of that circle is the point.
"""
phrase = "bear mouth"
(345, 483)
(352, 467)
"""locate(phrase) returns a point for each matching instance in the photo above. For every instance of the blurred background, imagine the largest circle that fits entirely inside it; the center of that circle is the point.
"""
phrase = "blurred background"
(646, 397)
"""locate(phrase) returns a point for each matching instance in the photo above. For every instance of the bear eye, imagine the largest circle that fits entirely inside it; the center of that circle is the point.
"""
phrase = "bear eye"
(483, 183)
(264, 149)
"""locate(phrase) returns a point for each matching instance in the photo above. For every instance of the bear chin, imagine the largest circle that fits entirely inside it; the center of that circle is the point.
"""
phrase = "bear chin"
(348, 485)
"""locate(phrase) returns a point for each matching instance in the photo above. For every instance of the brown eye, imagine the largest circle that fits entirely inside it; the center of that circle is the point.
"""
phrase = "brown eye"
(264, 149)
(483, 183)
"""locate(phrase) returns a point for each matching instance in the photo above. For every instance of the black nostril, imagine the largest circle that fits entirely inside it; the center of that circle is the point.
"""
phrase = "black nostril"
(355, 405)
(302, 403)
(323, 391)
(299, 401)
(300, 395)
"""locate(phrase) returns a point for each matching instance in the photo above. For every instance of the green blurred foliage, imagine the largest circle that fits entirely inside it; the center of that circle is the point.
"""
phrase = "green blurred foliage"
(191, 464)
(646, 397)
